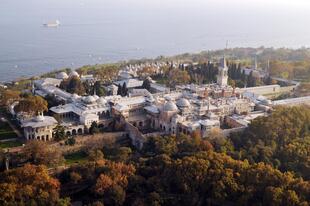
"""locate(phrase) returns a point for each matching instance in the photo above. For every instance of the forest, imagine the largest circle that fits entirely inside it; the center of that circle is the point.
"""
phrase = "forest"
(268, 164)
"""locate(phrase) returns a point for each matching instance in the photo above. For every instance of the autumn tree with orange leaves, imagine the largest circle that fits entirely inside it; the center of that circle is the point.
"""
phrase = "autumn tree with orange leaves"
(29, 185)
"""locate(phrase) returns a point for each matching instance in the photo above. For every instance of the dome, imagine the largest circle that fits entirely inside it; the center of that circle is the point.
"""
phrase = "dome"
(167, 98)
(74, 74)
(261, 98)
(150, 98)
(89, 99)
(96, 97)
(102, 100)
(170, 107)
(62, 75)
(39, 118)
(75, 96)
(183, 103)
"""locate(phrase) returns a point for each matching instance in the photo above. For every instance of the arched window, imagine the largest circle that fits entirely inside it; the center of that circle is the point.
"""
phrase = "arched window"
(80, 131)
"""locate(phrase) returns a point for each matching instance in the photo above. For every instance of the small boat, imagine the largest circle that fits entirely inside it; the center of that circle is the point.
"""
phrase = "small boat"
(55, 23)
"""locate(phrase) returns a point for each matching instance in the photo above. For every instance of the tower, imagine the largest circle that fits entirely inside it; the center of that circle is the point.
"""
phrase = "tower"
(255, 63)
(222, 76)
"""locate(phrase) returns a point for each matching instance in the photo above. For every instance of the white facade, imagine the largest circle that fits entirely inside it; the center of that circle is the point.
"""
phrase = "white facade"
(39, 128)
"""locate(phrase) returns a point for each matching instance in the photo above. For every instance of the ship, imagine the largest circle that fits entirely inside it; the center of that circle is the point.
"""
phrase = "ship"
(55, 23)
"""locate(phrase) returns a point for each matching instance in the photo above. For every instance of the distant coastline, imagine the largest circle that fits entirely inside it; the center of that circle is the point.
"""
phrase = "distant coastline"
(263, 54)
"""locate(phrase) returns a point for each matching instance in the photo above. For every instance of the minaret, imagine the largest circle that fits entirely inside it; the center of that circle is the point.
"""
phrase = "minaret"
(33, 90)
(222, 76)
(268, 67)
(255, 62)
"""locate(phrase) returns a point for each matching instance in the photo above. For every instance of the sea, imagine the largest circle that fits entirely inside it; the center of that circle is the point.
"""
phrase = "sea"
(105, 31)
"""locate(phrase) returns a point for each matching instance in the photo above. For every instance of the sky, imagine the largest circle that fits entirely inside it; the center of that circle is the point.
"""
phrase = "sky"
(125, 29)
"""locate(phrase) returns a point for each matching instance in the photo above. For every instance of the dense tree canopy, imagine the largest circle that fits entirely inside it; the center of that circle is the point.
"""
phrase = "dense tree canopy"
(7, 96)
(73, 85)
(39, 152)
(29, 185)
(32, 104)
(282, 140)
(177, 76)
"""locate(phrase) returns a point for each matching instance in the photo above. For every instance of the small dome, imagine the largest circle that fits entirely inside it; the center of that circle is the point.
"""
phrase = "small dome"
(62, 75)
(102, 100)
(39, 118)
(150, 98)
(74, 74)
(75, 96)
(183, 103)
(96, 97)
(261, 98)
(170, 107)
(89, 99)
(167, 98)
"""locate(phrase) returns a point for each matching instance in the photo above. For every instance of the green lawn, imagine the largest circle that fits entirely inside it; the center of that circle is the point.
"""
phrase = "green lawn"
(6, 131)
(77, 157)
(10, 144)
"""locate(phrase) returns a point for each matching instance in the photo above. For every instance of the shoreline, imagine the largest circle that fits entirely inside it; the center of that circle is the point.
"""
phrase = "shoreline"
(181, 57)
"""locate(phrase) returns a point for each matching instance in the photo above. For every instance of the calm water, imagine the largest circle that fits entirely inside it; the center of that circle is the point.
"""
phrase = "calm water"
(101, 31)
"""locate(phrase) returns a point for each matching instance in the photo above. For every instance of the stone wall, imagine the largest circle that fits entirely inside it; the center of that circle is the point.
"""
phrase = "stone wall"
(135, 135)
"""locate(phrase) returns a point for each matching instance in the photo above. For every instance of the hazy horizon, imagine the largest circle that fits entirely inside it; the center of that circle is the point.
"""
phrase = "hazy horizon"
(100, 31)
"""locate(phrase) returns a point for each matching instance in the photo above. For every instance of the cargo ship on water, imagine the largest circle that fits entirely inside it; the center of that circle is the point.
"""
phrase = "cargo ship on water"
(55, 23)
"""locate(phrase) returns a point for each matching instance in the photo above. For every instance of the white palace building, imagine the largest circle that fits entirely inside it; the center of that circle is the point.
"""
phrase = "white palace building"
(188, 109)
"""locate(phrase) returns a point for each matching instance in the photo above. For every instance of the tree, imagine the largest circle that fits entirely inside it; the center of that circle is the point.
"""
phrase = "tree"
(281, 139)
(32, 105)
(106, 73)
(251, 81)
(146, 84)
(94, 128)
(99, 89)
(73, 85)
(124, 90)
(38, 152)
(70, 141)
(2, 158)
(177, 76)
(75, 177)
(8, 96)
(160, 145)
(52, 101)
(243, 77)
(116, 195)
(103, 183)
(28, 185)
(95, 155)
(123, 153)
(119, 89)
(59, 133)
